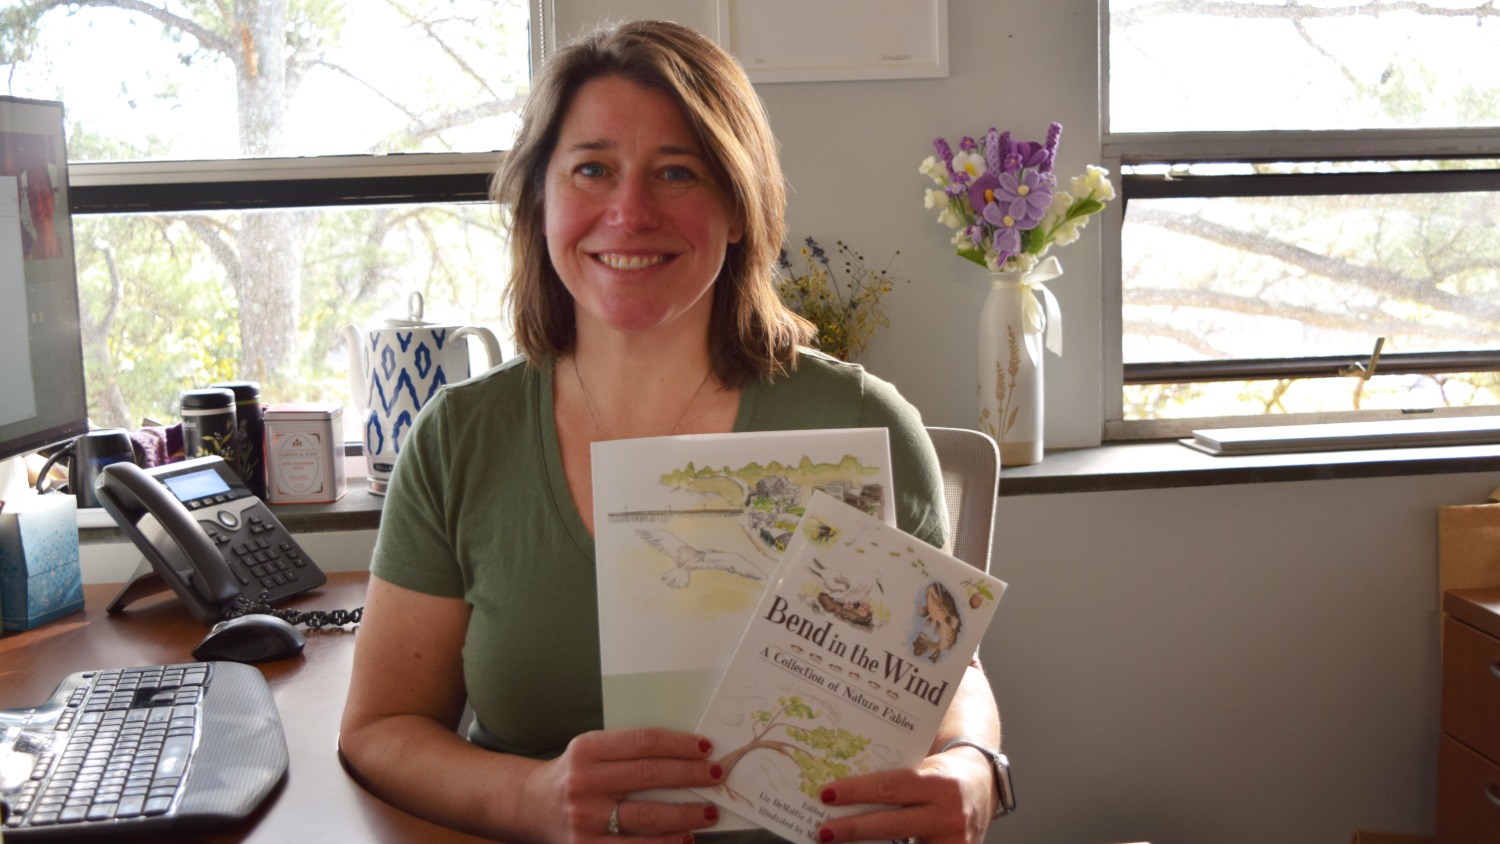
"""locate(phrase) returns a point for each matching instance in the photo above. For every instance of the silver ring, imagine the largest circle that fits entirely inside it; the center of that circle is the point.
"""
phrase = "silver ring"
(614, 820)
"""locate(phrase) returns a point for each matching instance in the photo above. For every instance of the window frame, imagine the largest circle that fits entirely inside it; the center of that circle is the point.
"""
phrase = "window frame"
(1122, 149)
(120, 187)
(170, 186)
(167, 187)
(224, 184)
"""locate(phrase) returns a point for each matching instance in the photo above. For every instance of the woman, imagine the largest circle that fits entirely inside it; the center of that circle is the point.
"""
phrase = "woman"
(645, 203)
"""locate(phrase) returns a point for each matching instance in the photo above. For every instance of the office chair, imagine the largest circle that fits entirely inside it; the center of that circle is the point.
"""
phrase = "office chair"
(970, 463)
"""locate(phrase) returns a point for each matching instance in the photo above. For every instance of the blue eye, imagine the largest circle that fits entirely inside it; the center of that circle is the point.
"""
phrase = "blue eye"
(678, 174)
(591, 170)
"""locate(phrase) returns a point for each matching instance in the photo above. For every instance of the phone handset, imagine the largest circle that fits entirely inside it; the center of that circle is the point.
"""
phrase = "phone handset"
(177, 548)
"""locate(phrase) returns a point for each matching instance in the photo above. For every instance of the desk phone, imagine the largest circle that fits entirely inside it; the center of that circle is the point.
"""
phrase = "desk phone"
(204, 535)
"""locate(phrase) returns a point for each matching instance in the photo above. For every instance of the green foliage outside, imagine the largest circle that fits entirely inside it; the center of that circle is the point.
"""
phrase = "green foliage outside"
(1312, 276)
(173, 301)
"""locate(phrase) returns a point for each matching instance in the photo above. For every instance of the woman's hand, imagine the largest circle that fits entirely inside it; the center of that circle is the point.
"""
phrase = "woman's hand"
(949, 799)
(584, 788)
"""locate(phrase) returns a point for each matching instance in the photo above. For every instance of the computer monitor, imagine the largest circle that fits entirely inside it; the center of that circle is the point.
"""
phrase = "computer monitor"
(42, 395)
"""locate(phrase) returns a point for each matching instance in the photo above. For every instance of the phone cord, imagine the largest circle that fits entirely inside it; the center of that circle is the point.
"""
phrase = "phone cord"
(316, 619)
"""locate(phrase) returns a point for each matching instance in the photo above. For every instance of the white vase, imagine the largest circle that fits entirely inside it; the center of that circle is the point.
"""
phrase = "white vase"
(1012, 329)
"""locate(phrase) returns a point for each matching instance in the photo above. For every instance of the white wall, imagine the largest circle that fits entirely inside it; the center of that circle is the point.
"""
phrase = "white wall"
(851, 150)
(1248, 663)
(1217, 664)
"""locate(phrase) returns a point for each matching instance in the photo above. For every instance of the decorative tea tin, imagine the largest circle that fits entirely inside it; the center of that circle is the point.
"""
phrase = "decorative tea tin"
(208, 423)
(304, 452)
(249, 435)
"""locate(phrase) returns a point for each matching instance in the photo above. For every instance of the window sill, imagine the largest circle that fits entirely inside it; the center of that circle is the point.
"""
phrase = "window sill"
(1163, 465)
(358, 509)
(1107, 468)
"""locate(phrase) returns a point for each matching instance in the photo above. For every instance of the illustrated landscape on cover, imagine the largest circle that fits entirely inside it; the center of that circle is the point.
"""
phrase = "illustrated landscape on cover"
(846, 667)
(687, 531)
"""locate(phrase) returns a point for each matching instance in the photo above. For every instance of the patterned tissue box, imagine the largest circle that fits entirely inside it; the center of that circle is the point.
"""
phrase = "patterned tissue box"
(39, 574)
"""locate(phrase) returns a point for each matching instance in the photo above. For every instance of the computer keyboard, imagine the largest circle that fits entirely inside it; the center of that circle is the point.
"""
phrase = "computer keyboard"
(151, 749)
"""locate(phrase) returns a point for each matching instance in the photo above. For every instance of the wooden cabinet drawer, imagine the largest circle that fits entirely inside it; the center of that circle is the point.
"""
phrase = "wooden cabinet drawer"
(1471, 687)
(1468, 804)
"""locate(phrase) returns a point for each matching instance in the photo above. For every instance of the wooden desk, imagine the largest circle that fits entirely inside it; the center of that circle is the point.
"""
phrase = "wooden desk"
(317, 801)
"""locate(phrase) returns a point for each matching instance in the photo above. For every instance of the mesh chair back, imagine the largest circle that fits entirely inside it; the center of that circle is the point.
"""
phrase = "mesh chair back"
(970, 464)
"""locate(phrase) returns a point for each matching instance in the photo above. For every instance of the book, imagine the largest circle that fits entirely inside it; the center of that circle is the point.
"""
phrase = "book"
(1346, 436)
(687, 530)
(847, 666)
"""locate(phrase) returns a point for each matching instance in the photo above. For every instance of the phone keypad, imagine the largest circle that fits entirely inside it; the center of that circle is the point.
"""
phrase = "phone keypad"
(257, 555)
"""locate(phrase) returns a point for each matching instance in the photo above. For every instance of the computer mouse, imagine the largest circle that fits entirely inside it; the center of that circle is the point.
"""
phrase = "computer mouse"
(250, 638)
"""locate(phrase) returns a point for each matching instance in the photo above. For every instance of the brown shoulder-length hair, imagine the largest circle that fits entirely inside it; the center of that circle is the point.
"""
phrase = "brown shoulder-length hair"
(753, 334)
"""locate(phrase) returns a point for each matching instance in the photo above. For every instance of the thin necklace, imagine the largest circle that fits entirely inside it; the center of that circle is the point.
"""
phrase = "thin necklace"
(594, 418)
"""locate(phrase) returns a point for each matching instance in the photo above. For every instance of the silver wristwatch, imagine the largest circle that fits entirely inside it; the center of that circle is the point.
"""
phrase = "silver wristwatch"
(1001, 766)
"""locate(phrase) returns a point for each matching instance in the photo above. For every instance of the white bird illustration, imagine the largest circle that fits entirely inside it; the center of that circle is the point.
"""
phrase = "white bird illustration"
(839, 585)
(686, 558)
(849, 601)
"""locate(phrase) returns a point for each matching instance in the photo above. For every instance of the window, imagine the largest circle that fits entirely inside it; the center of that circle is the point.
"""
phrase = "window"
(250, 177)
(1307, 229)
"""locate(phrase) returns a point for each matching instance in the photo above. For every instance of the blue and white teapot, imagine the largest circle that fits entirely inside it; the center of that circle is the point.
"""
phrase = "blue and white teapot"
(395, 370)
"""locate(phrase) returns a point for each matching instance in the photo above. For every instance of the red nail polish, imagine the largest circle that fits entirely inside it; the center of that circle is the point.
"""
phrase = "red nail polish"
(828, 796)
(825, 835)
(705, 746)
(717, 771)
(711, 813)
(687, 839)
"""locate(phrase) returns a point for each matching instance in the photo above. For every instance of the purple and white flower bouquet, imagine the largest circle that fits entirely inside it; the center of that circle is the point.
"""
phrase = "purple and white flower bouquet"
(1002, 198)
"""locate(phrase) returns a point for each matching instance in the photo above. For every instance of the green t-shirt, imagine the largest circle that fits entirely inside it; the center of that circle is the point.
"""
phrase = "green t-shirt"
(478, 509)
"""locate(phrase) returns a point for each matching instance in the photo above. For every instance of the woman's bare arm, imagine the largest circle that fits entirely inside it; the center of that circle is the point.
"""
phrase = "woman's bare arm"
(398, 734)
(398, 738)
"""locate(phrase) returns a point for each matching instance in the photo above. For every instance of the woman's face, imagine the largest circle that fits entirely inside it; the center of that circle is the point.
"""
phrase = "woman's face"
(637, 225)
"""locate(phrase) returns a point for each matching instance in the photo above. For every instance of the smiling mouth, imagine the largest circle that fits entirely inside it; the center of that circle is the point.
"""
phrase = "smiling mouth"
(629, 262)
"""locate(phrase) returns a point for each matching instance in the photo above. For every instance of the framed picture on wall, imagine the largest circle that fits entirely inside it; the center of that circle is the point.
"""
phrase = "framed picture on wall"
(784, 40)
(562, 21)
(821, 40)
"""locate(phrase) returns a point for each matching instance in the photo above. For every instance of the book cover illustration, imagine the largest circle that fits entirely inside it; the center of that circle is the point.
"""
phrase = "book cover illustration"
(847, 666)
(687, 531)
